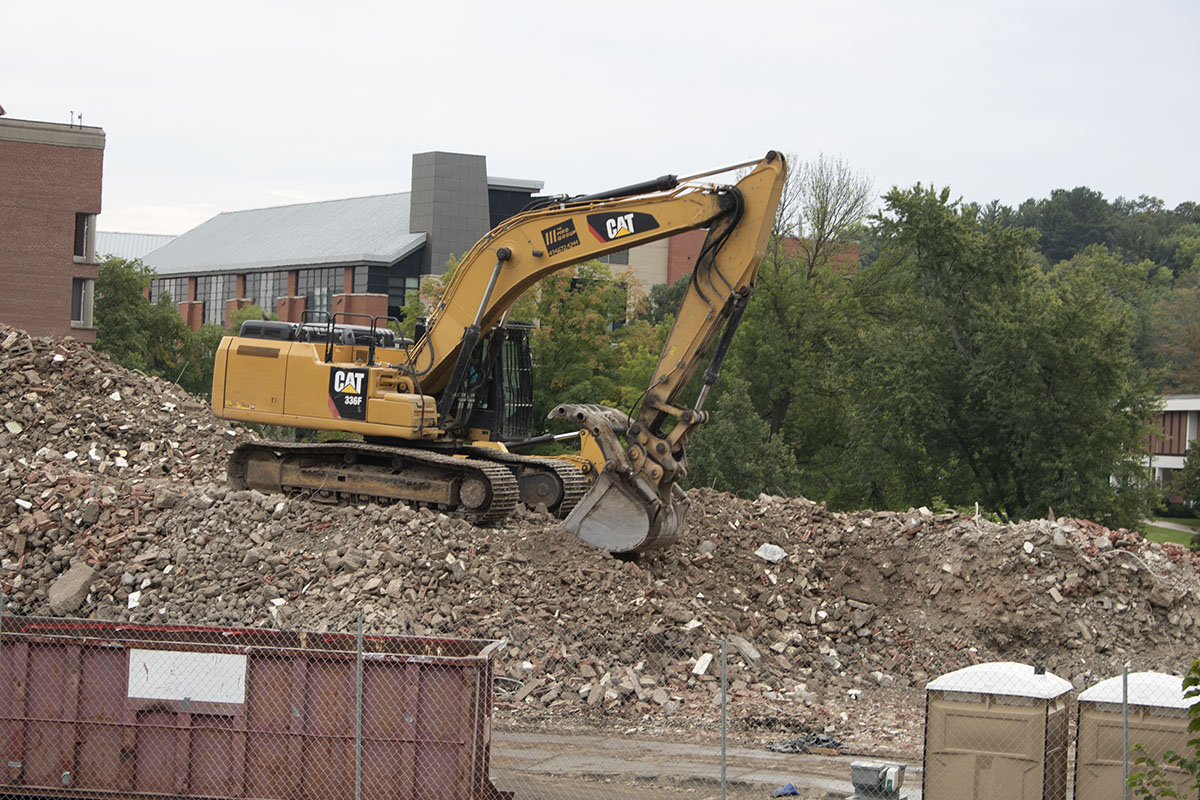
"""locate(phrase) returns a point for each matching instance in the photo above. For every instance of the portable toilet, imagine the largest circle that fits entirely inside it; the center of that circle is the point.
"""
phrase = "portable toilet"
(997, 731)
(1158, 721)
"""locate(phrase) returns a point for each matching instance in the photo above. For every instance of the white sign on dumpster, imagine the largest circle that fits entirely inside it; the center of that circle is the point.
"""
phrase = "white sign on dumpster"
(184, 675)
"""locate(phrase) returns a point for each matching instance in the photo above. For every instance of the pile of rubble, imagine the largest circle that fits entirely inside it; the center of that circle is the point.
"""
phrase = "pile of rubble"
(113, 505)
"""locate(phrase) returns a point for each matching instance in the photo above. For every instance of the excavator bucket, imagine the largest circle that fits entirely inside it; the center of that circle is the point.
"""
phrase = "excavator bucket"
(618, 518)
(621, 513)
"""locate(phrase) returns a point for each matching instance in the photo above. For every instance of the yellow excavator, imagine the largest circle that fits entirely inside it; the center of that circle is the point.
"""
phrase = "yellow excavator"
(441, 418)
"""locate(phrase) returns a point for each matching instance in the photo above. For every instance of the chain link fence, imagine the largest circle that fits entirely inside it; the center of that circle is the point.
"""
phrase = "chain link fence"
(91, 708)
(94, 708)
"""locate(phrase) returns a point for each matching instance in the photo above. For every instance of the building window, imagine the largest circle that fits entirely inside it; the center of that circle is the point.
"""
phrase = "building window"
(85, 238)
(264, 288)
(399, 290)
(318, 286)
(175, 288)
(360, 279)
(620, 257)
(213, 291)
(83, 291)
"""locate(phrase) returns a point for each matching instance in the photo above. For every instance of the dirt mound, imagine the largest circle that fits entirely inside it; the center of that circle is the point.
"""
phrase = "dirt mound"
(113, 505)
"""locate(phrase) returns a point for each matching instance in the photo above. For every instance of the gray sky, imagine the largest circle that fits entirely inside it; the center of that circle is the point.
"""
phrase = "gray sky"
(212, 107)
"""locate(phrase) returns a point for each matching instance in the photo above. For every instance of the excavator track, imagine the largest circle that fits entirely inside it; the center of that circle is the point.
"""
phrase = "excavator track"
(334, 472)
(543, 481)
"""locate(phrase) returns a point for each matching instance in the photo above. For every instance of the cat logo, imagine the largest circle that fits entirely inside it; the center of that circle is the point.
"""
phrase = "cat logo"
(619, 226)
(347, 393)
(347, 381)
(609, 227)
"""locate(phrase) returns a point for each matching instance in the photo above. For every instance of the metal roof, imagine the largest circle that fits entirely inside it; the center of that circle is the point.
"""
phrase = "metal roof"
(129, 245)
(356, 230)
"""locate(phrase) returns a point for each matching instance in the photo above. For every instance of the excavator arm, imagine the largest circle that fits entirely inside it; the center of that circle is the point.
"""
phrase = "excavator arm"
(636, 504)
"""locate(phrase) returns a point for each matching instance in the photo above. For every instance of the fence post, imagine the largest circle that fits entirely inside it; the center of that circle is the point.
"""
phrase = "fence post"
(1125, 726)
(724, 703)
(358, 690)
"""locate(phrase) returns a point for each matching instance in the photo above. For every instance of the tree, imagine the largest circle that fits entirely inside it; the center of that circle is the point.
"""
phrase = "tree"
(735, 452)
(135, 333)
(1068, 221)
(822, 206)
(196, 357)
(663, 301)
(801, 308)
(1176, 324)
(1153, 781)
(583, 350)
(152, 337)
(1135, 286)
(1185, 259)
(252, 311)
(1187, 482)
(1015, 390)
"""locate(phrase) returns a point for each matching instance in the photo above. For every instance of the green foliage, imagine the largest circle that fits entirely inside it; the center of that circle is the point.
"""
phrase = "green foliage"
(137, 334)
(1153, 781)
(150, 337)
(1068, 221)
(196, 356)
(252, 311)
(582, 350)
(332, 436)
(663, 301)
(735, 452)
(1187, 481)
(800, 329)
(1176, 325)
(1016, 390)
(1135, 286)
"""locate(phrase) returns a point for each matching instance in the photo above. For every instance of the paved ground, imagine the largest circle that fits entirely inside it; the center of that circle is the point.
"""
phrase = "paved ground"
(1171, 526)
(582, 767)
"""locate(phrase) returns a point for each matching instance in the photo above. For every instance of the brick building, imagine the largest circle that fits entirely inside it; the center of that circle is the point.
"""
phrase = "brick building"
(49, 197)
(1175, 428)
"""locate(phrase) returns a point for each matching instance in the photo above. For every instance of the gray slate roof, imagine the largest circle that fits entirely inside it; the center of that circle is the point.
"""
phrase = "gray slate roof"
(372, 230)
(129, 245)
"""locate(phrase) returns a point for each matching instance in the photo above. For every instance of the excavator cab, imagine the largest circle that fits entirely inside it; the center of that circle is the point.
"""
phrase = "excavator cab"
(498, 390)
(507, 407)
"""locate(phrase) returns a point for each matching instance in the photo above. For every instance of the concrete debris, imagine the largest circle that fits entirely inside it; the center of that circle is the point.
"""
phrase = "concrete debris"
(770, 552)
(867, 604)
(70, 589)
(747, 650)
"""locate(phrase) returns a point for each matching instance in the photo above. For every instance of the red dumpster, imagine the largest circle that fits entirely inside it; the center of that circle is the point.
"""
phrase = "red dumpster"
(90, 707)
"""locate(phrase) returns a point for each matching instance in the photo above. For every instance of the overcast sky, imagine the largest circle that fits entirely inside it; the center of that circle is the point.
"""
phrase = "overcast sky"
(212, 107)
